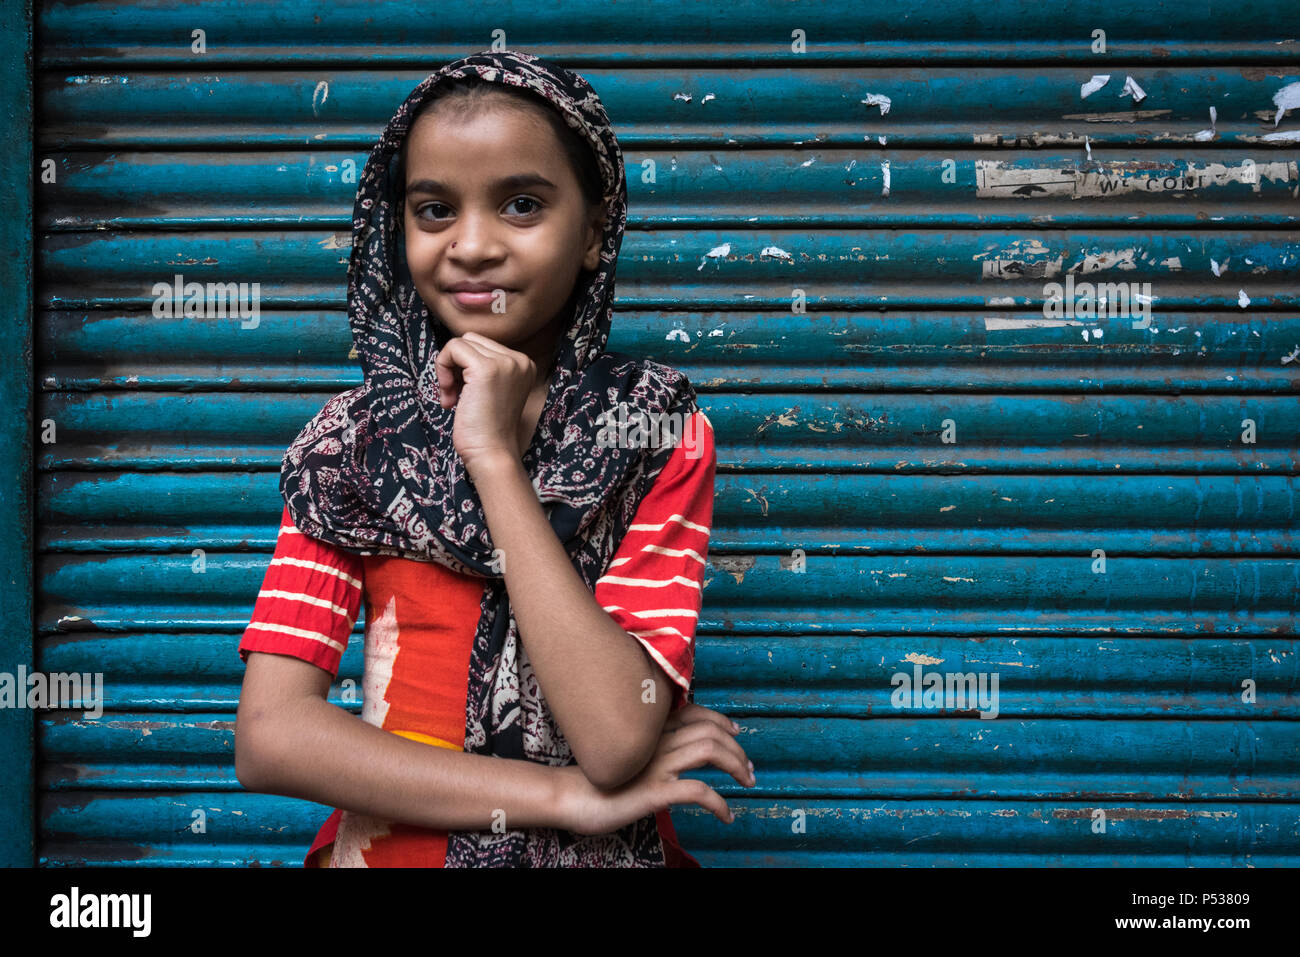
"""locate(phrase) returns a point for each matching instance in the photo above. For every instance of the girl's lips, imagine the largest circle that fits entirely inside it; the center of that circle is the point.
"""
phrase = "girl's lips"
(474, 300)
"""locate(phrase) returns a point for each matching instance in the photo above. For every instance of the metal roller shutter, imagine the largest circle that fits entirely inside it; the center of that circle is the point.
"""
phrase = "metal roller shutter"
(923, 472)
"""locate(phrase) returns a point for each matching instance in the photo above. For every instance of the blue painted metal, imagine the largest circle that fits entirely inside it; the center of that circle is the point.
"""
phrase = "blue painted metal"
(847, 269)
(113, 829)
(802, 105)
(17, 788)
(1187, 352)
(829, 187)
(297, 33)
(851, 544)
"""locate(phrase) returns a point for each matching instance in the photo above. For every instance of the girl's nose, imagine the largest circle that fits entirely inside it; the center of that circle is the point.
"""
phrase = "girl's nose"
(478, 238)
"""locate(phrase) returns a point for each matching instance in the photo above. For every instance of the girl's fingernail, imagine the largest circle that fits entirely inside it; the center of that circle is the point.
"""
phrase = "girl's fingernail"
(734, 726)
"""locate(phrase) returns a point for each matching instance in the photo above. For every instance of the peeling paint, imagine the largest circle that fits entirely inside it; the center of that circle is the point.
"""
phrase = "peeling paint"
(319, 96)
(1009, 264)
(916, 658)
(737, 566)
(997, 179)
(1140, 814)
(1106, 259)
(996, 323)
(717, 253)
(786, 418)
(1003, 664)
(1131, 116)
(760, 499)
(880, 100)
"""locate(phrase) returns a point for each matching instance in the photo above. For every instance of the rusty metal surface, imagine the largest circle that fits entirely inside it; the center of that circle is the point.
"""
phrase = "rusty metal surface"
(923, 468)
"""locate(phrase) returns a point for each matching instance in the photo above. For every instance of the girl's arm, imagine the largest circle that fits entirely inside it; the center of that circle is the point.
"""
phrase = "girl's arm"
(609, 697)
(290, 740)
(594, 673)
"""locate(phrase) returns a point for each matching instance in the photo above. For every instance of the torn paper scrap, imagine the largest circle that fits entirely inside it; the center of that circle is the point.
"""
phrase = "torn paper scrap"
(1093, 85)
(1132, 89)
(1204, 136)
(1287, 98)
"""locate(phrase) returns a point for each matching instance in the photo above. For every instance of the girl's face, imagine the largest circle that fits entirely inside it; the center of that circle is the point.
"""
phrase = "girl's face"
(491, 199)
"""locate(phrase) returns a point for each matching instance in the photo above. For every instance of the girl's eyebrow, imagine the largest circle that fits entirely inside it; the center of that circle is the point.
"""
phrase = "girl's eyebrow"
(517, 181)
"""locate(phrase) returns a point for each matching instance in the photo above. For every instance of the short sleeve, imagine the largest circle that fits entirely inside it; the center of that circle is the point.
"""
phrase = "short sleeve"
(310, 599)
(654, 585)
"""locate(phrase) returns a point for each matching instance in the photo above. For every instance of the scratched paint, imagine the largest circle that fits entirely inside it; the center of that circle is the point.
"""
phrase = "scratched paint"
(999, 179)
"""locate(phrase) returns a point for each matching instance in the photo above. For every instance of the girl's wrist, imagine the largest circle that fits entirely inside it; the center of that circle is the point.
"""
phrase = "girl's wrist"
(488, 464)
(571, 790)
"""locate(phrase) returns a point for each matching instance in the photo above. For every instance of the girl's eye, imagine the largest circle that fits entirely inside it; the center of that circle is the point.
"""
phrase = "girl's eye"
(528, 200)
(428, 206)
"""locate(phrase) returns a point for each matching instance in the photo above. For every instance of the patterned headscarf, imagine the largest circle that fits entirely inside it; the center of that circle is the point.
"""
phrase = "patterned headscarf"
(375, 471)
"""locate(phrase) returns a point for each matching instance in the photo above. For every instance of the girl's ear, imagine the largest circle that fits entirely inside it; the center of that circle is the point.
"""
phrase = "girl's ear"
(595, 239)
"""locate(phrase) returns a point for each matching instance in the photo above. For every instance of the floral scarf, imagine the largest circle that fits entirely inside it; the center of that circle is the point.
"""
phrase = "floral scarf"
(375, 471)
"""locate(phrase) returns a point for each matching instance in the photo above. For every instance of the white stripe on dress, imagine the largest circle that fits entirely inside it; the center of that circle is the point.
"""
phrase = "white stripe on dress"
(304, 598)
(297, 633)
(647, 582)
(317, 567)
(678, 517)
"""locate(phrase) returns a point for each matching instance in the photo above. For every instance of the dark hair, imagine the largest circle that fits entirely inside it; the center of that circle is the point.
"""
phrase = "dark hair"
(467, 93)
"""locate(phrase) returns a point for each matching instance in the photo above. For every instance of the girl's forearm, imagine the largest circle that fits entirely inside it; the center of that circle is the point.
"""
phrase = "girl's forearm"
(314, 750)
(595, 675)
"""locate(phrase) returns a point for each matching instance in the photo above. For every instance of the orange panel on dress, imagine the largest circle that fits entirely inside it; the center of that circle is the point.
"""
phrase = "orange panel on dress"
(435, 611)
(420, 623)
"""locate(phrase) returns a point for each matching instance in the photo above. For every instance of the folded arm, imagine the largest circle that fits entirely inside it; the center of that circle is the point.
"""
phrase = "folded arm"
(607, 694)
(290, 740)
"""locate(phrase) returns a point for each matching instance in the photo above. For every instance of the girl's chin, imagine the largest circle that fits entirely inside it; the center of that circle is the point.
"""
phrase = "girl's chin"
(487, 328)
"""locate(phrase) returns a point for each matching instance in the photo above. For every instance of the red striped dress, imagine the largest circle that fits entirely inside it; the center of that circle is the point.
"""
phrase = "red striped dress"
(420, 624)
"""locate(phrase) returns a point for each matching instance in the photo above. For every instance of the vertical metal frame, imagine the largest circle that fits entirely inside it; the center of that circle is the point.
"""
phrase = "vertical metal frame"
(17, 724)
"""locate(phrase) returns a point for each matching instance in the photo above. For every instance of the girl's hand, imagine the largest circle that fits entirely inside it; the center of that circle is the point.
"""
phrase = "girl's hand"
(488, 385)
(693, 737)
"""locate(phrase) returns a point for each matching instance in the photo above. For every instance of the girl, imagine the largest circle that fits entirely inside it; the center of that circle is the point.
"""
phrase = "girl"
(543, 725)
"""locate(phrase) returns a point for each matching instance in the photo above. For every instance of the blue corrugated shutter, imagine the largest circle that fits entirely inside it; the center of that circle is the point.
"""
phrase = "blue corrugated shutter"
(922, 473)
